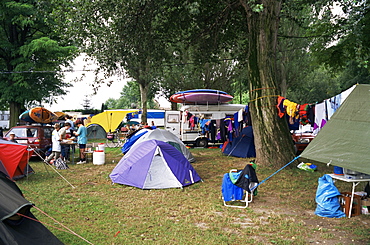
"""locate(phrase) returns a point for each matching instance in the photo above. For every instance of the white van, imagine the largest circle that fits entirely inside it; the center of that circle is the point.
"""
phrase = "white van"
(177, 123)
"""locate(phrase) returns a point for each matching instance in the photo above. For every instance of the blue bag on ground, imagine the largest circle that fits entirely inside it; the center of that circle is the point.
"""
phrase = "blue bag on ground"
(327, 199)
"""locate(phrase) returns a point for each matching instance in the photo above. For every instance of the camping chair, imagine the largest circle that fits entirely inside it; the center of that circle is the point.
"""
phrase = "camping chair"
(114, 138)
(239, 187)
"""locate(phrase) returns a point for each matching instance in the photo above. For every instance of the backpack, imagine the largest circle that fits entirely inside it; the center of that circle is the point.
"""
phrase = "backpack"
(60, 164)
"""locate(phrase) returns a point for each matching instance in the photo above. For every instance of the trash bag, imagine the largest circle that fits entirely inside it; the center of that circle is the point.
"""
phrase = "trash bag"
(327, 199)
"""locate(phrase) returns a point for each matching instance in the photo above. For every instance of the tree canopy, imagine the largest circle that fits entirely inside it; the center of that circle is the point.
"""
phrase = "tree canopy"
(272, 47)
(130, 98)
(31, 55)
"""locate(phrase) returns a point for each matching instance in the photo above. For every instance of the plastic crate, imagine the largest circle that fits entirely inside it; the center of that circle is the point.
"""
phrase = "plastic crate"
(345, 201)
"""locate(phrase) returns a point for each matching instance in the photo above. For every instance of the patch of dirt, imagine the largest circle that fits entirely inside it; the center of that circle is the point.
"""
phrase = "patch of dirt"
(322, 230)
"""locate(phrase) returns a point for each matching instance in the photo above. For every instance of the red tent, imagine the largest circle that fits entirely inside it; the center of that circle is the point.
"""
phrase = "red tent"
(14, 158)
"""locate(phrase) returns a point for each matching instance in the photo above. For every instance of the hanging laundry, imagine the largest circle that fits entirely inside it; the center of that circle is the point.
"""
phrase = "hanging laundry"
(236, 124)
(293, 123)
(229, 127)
(291, 108)
(280, 106)
(320, 117)
(247, 117)
(240, 115)
(332, 105)
(203, 123)
(213, 130)
(191, 122)
(303, 118)
(311, 114)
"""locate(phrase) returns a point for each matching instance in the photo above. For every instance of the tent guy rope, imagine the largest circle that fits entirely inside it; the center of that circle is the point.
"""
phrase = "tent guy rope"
(65, 227)
(54, 170)
(286, 165)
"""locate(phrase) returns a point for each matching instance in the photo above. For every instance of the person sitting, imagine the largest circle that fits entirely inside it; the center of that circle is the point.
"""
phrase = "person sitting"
(12, 137)
(125, 129)
(153, 125)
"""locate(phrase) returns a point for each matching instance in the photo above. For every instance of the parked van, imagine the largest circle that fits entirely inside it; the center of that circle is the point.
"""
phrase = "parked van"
(177, 121)
(37, 137)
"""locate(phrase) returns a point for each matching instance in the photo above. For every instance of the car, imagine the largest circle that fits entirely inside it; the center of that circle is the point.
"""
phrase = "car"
(37, 137)
(301, 139)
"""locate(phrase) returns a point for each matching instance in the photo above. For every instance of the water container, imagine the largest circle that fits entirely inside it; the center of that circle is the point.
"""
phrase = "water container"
(101, 146)
(338, 170)
(98, 157)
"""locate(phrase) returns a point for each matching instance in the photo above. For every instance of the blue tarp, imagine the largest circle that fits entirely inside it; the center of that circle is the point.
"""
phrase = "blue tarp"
(130, 141)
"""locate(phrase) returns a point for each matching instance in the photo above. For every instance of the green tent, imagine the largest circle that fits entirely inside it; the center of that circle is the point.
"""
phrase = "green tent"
(345, 139)
(95, 131)
(18, 225)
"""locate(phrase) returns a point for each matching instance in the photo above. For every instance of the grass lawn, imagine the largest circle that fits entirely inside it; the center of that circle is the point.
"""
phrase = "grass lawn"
(102, 213)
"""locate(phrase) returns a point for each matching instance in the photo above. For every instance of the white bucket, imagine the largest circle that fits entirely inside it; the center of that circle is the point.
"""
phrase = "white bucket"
(98, 157)
(101, 147)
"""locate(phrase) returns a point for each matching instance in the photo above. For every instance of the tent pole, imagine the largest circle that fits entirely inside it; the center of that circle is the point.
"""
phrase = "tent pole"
(235, 147)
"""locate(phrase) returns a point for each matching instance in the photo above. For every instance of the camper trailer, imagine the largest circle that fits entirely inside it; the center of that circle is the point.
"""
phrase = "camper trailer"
(178, 122)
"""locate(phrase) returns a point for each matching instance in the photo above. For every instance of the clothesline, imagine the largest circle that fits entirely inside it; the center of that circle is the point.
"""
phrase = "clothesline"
(315, 114)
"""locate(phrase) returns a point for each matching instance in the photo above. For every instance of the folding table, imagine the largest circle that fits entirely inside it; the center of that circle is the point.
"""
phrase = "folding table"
(354, 182)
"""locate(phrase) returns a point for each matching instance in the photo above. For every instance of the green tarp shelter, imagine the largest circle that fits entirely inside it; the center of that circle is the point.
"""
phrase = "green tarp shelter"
(345, 139)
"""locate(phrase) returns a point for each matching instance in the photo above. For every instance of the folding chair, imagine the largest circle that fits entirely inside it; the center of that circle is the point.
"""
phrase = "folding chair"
(238, 187)
(111, 138)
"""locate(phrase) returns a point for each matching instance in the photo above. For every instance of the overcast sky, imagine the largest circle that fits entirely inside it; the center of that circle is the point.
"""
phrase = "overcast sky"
(76, 95)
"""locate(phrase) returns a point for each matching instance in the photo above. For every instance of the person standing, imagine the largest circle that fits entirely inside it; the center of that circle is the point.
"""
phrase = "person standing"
(63, 134)
(81, 140)
(68, 119)
(55, 141)
(72, 129)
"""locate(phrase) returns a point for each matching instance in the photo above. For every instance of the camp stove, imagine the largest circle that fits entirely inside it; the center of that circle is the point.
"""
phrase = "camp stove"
(350, 174)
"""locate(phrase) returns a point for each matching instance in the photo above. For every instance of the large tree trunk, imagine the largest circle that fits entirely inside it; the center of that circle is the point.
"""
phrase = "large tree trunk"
(144, 88)
(15, 111)
(273, 143)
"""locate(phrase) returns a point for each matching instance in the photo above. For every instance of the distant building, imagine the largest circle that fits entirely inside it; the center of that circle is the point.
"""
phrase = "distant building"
(4, 119)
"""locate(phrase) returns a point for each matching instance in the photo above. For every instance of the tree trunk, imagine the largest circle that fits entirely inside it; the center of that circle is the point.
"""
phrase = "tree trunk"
(144, 88)
(15, 111)
(272, 139)
(173, 106)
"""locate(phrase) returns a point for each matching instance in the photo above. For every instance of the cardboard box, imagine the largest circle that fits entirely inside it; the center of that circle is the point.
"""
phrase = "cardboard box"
(365, 202)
